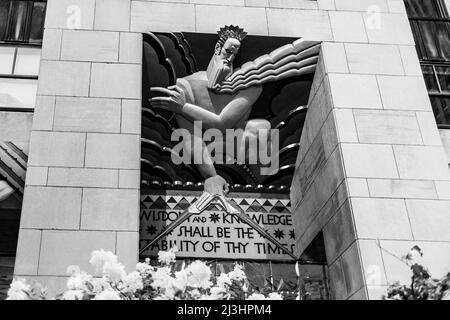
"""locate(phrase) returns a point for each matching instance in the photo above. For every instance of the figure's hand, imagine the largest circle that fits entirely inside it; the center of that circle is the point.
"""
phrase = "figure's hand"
(216, 186)
(174, 99)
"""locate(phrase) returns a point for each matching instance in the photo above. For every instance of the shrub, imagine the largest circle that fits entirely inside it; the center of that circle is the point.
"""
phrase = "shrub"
(162, 282)
(423, 286)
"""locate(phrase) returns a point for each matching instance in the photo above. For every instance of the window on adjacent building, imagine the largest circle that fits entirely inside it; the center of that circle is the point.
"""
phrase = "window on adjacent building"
(430, 23)
(22, 21)
(21, 33)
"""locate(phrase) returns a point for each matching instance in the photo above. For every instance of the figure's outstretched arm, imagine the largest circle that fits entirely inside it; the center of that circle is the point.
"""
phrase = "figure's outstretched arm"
(234, 112)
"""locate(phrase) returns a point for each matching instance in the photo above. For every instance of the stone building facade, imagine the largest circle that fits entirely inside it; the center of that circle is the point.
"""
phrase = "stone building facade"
(372, 172)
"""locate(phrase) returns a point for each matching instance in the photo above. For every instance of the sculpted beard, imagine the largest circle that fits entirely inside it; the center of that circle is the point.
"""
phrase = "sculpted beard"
(220, 72)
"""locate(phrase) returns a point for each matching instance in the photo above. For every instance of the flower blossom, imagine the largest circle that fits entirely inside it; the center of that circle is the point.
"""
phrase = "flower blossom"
(237, 274)
(167, 257)
(145, 269)
(161, 279)
(132, 282)
(73, 295)
(78, 281)
(100, 284)
(108, 295)
(223, 279)
(256, 296)
(195, 294)
(181, 280)
(114, 271)
(100, 257)
(275, 296)
(217, 293)
(18, 290)
(199, 275)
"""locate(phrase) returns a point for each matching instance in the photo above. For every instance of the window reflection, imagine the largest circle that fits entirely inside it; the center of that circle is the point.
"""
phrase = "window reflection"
(6, 60)
(18, 18)
(4, 13)
(430, 24)
(21, 32)
(19, 61)
(424, 9)
(27, 61)
(22, 21)
(441, 109)
(443, 74)
(433, 39)
(37, 22)
(17, 93)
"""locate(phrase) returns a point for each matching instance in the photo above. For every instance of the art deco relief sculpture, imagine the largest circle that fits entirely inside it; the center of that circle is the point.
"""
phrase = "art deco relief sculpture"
(222, 97)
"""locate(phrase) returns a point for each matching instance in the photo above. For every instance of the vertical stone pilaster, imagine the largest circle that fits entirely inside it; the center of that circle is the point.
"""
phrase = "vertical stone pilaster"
(83, 183)
(386, 191)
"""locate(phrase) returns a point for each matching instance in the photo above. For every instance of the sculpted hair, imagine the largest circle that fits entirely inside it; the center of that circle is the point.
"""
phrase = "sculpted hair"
(228, 32)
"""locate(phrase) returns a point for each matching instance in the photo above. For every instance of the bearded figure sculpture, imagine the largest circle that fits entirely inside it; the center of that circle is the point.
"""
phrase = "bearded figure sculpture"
(222, 97)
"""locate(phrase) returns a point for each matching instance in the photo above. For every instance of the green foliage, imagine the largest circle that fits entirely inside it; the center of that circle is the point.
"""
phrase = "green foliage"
(423, 286)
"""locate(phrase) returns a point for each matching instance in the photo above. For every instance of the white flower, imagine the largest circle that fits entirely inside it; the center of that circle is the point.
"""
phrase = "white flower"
(167, 257)
(416, 257)
(78, 281)
(108, 295)
(237, 274)
(145, 269)
(181, 280)
(17, 295)
(18, 290)
(218, 293)
(397, 297)
(20, 284)
(195, 294)
(100, 257)
(256, 296)
(223, 280)
(161, 278)
(199, 275)
(73, 295)
(275, 296)
(132, 282)
(169, 294)
(100, 284)
(114, 271)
